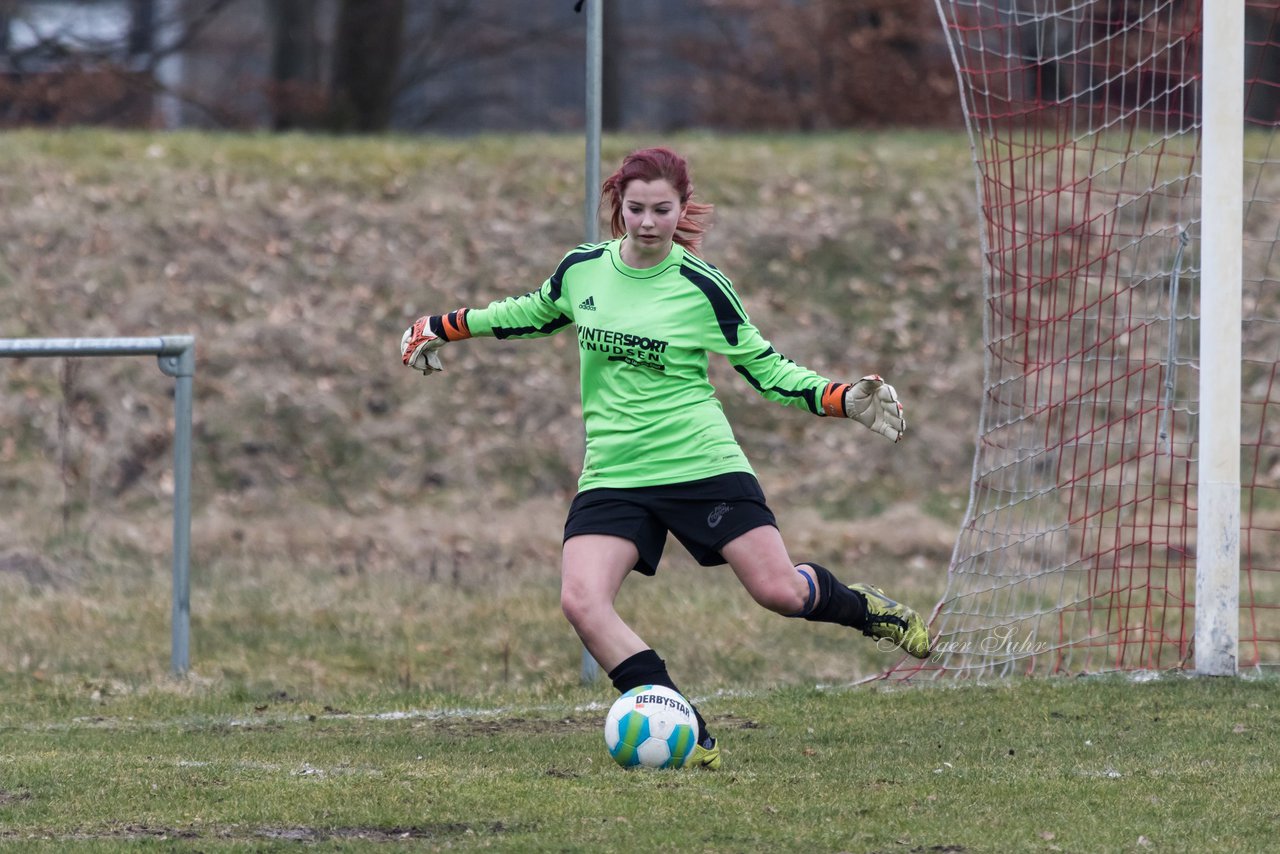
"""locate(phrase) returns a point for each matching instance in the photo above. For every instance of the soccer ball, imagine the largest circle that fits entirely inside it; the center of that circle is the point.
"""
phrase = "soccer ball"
(651, 726)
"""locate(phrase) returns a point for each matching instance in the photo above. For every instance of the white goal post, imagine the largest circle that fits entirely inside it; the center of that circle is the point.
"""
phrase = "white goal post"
(176, 355)
(1217, 614)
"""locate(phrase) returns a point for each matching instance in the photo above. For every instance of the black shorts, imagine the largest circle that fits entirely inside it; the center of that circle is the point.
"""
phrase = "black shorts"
(702, 514)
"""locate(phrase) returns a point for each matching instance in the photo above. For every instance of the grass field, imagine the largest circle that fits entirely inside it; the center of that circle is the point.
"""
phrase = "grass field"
(351, 712)
(1084, 765)
(378, 654)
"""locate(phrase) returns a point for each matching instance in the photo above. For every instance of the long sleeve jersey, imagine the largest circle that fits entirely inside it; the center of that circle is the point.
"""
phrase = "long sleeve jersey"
(650, 413)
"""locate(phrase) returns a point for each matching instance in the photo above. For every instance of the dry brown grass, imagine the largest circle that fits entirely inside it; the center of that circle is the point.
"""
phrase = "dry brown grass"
(296, 262)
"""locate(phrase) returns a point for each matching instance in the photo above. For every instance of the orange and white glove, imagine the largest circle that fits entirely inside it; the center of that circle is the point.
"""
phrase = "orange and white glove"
(421, 342)
(873, 403)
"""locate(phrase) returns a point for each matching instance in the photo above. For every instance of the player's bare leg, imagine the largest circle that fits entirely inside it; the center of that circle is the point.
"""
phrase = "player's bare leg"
(593, 567)
(760, 560)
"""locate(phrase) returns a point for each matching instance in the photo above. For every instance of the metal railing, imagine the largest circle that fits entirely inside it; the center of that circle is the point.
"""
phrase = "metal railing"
(177, 358)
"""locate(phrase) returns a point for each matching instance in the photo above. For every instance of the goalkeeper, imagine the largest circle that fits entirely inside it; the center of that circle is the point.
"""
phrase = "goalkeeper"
(660, 455)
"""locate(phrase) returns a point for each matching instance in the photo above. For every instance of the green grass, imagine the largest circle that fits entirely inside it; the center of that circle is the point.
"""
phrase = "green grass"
(350, 706)
(1096, 764)
(456, 626)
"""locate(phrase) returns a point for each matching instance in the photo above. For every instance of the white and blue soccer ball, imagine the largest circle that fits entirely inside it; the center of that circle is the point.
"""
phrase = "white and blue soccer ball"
(651, 726)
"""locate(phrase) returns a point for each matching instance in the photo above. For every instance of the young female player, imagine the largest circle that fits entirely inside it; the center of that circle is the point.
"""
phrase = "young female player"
(660, 456)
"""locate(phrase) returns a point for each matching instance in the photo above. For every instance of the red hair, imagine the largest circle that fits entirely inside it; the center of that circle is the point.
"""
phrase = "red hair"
(652, 164)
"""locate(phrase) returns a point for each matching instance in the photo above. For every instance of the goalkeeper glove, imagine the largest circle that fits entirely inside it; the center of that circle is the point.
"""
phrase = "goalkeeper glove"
(418, 347)
(873, 403)
(428, 334)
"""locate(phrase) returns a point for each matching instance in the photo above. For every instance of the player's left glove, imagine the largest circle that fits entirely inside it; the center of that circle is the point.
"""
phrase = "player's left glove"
(418, 347)
(873, 403)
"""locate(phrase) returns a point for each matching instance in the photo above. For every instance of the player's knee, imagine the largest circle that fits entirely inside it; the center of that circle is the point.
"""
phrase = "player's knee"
(570, 605)
(579, 608)
(783, 599)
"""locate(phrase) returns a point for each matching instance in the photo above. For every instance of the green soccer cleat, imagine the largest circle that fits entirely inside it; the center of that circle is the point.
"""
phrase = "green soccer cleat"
(893, 621)
(705, 757)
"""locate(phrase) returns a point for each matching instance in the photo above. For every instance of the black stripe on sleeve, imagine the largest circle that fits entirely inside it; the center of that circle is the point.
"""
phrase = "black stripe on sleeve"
(808, 395)
(727, 314)
(545, 329)
(713, 273)
(585, 252)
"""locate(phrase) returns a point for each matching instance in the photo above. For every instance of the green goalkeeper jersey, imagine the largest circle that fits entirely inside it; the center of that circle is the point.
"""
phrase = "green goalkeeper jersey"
(650, 413)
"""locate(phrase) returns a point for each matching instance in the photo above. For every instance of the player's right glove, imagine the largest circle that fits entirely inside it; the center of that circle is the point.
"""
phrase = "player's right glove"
(873, 403)
(428, 334)
(418, 347)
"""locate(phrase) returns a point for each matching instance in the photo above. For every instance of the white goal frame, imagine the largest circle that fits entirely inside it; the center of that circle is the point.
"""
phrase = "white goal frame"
(1104, 136)
(177, 358)
(1217, 614)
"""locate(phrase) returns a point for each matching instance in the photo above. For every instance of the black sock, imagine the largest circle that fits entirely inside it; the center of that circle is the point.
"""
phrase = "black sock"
(836, 602)
(647, 668)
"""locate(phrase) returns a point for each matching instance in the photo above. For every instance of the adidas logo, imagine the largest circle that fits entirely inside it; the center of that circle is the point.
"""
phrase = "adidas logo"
(589, 304)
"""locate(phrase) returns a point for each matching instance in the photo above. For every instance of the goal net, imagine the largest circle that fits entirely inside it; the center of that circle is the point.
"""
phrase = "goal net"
(1078, 548)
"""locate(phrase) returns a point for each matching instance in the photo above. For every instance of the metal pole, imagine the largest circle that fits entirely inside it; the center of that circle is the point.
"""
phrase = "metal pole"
(595, 86)
(182, 367)
(595, 66)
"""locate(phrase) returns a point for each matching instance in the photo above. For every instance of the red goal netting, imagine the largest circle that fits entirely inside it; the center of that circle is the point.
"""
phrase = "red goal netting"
(1078, 549)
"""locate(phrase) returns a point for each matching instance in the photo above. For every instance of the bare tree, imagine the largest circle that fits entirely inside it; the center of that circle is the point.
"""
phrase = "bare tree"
(612, 79)
(296, 94)
(7, 8)
(462, 56)
(62, 71)
(366, 59)
(142, 27)
(822, 64)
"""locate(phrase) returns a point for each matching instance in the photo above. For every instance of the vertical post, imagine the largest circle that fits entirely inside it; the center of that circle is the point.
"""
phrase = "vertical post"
(1217, 635)
(595, 71)
(595, 86)
(179, 362)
